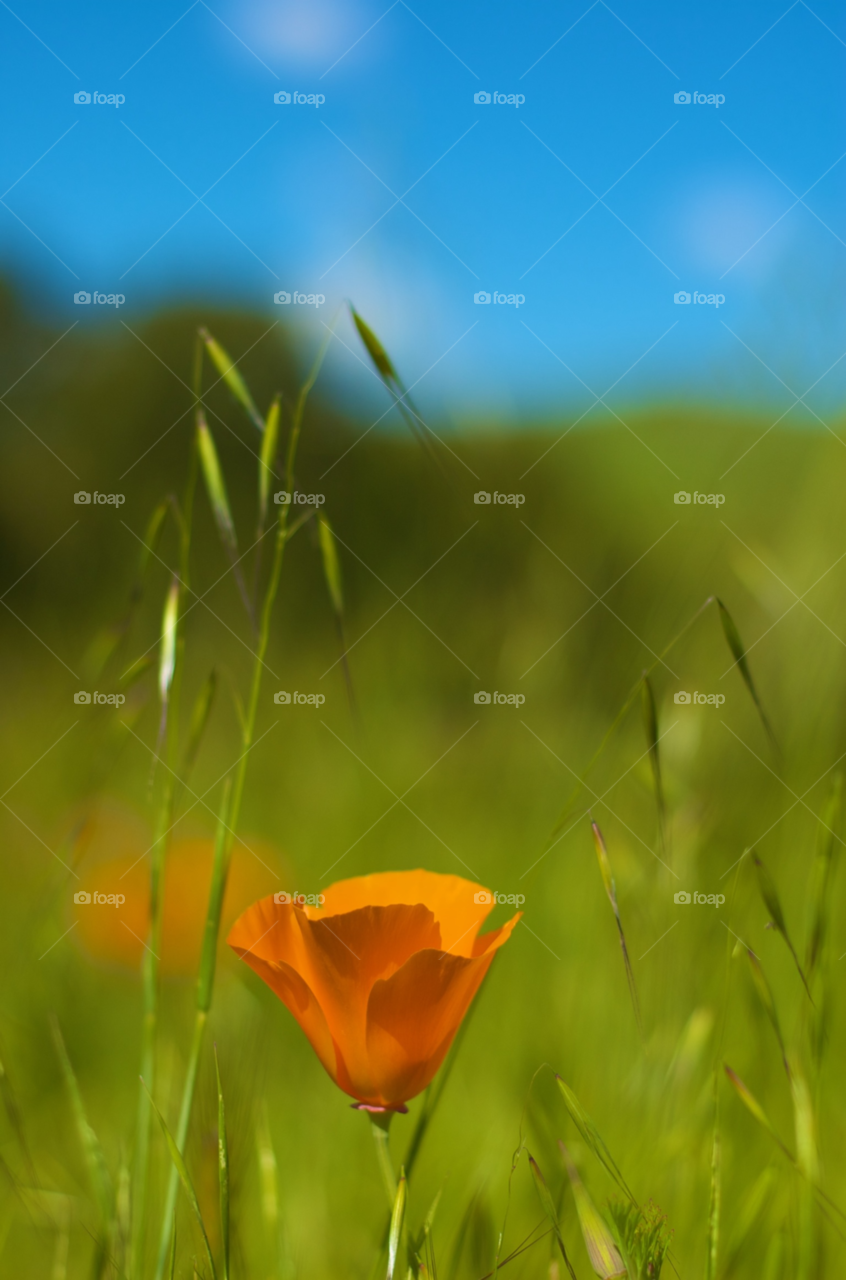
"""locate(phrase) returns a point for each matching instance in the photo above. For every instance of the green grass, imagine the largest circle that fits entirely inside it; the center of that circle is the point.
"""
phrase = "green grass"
(489, 784)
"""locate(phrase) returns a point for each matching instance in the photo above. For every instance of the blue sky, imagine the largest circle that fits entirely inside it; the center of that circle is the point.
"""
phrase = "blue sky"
(596, 199)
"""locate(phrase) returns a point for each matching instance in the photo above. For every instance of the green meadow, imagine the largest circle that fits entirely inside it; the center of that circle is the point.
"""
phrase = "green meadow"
(596, 600)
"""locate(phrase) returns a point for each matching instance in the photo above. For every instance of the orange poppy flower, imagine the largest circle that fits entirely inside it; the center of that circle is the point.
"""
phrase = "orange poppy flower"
(379, 976)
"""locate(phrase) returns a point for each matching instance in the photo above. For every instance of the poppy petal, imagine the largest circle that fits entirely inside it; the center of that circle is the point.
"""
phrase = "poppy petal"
(337, 960)
(413, 1016)
(459, 906)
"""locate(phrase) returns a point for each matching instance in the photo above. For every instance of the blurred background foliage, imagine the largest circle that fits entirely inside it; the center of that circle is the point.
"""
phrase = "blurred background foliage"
(566, 599)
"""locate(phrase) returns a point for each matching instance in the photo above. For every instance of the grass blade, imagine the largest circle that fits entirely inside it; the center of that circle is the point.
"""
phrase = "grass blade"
(750, 1210)
(199, 720)
(223, 1168)
(753, 1105)
(805, 1126)
(267, 459)
(808, 1161)
(167, 649)
(591, 1135)
(230, 375)
(602, 1250)
(331, 564)
(187, 1186)
(772, 902)
(767, 1000)
(216, 487)
(218, 498)
(610, 889)
(548, 1205)
(394, 386)
(220, 872)
(738, 652)
(13, 1114)
(569, 804)
(714, 1208)
(823, 868)
(650, 724)
(269, 1186)
(374, 348)
(91, 1149)
(332, 576)
(397, 1219)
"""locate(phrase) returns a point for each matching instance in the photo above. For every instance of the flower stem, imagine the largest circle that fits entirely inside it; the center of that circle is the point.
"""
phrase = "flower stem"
(379, 1123)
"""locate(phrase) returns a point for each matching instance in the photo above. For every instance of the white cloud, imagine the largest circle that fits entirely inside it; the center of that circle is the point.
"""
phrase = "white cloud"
(728, 224)
(307, 31)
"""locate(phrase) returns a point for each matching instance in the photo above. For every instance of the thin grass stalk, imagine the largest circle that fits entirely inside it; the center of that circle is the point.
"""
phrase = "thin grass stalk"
(150, 963)
(227, 825)
(150, 982)
(205, 984)
(632, 695)
(223, 1168)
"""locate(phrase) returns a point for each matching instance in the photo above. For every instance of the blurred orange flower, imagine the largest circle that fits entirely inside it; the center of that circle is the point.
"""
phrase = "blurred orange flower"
(379, 976)
(111, 901)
